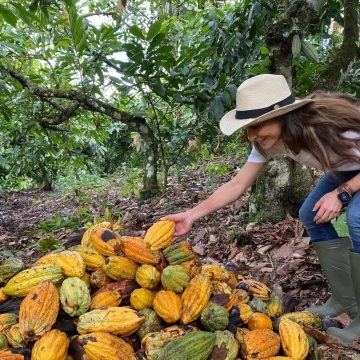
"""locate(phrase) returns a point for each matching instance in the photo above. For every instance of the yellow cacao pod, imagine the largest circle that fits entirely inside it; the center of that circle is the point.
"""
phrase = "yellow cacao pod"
(71, 263)
(167, 304)
(160, 235)
(120, 321)
(195, 298)
(148, 276)
(293, 339)
(101, 345)
(120, 268)
(52, 345)
(142, 298)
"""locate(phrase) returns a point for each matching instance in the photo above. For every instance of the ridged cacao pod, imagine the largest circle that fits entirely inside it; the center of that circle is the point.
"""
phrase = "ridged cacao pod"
(142, 298)
(258, 305)
(237, 297)
(214, 317)
(8, 354)
(256, 288)
(304, 318)
(120, 268)
(151, 324)
(147, 276)
(215, 272)
(101, 345)
(275, 306)
(259, 321)
(153, 342)
(220, 287)
(74, 296)
(71, 263)
(125, 287)
(192, 267)
(179, 253)
(38, 311)
(52, 345)
(225, 347)
(160, 234)
(195, 298)
(167, 304)
(23, 282)
(138, 251)
(105, 299)
(278, 358)
(14, 337)
(309, 51)
(7, 320)
(3, 342)
(86, 239)
(294, 341)
(93, 260)
(194, 346)
(98, 279)
(296, 45)
(105, 242)
(48, 259)
(116, 320)
(10, 267)
(174, 278)
(259, 344)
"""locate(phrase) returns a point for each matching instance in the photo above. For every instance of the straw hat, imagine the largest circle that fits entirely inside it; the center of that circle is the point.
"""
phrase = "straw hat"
(262, 97)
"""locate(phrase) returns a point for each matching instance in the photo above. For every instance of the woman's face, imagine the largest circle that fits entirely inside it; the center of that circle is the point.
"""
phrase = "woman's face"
(265, 134)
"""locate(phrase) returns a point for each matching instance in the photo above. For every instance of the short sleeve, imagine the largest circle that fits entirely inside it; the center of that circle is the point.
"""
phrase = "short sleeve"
(256, 157)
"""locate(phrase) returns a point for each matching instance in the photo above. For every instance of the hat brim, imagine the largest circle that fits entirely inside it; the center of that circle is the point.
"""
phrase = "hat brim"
(228, 123)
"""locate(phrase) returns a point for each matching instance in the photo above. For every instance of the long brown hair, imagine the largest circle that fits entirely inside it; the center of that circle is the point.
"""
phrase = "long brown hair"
(318, 128)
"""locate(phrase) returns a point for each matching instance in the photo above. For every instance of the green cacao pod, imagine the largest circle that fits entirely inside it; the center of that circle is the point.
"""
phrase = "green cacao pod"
(175, 278)
(74, 296)
(3, 342)
(179, 253)
(214, 317)
(296, 45)
(258, 305)
(151, 324)
(304, 318)
(309, 51)
(194, 346)
(226, 346)
(10, 267)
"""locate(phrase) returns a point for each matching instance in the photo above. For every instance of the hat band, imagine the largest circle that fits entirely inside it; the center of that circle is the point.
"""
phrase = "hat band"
(248, 114)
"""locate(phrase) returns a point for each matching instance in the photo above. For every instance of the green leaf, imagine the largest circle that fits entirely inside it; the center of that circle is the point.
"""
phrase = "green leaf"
(154, 30)
(159, 89)
(27, 16)
(136, 31)
(8, 15)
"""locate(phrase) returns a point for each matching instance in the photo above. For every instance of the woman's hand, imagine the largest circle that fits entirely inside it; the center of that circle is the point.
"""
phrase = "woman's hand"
(328, 208)
(183, 221)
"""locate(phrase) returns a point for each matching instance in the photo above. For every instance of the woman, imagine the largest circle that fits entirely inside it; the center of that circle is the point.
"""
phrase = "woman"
(321, 131)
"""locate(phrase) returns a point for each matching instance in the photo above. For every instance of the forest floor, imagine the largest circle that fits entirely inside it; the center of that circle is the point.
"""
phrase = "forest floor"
(278, 254)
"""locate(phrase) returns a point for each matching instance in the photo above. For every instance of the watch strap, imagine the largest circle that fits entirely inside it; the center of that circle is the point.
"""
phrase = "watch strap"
(347, 187)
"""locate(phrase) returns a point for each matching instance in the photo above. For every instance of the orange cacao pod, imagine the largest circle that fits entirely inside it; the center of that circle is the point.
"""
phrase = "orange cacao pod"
(167, 304)
(138, 251)
(38, 311)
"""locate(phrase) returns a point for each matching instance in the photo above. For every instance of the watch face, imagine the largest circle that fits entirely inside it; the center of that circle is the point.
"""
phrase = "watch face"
(344, 197)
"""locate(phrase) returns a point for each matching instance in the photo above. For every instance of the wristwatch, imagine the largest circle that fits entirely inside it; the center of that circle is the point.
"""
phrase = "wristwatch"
(344, 193)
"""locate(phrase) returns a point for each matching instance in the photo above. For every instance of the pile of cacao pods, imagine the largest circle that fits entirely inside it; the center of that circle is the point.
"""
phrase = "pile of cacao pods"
(122, 298)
